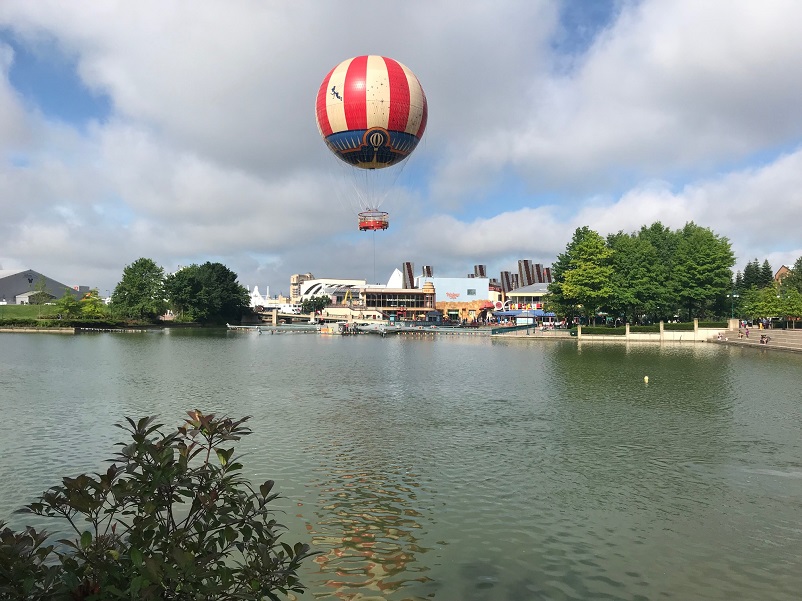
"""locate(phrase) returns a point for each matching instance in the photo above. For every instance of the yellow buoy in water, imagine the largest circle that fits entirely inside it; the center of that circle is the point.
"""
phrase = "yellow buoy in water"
(646, 379)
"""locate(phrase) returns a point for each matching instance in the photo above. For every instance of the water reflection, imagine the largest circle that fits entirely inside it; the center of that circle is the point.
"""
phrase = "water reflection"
(367, 525)
(461, 470)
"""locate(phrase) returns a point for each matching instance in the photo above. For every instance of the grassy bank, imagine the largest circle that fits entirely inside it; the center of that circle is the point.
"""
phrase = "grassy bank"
(44, 316)
(24, 311)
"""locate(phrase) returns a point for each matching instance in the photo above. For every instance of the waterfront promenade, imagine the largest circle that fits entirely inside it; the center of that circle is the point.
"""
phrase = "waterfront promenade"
(617, 335)
(786, 340)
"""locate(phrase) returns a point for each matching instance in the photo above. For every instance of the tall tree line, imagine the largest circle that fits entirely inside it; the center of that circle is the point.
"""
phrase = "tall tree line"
(655, 273)
(757, 295)
(207, 293)
(754, 275)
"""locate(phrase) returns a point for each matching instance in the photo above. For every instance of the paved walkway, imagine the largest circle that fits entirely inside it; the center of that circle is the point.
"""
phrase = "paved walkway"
(534, 332)
(787, 340)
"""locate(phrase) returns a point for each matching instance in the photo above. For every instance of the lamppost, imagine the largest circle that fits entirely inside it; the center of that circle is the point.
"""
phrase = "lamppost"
(732, 304)
(732, 296)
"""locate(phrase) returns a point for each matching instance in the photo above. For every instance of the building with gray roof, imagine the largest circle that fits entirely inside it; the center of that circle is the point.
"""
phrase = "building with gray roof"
(17, 286)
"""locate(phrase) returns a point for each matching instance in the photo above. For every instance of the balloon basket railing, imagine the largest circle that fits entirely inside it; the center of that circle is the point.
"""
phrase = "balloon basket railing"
(373, 220)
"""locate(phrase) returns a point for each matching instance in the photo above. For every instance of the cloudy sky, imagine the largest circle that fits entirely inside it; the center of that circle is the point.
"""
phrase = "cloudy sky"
(184, 132)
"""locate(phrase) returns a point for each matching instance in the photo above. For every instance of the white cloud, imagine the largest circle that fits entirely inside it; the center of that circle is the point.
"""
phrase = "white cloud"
(757, 209)
(671, 85)
(211, 150)
(13, 131)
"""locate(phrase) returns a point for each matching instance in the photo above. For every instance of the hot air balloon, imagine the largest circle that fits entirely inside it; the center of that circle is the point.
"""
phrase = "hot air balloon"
(371, 111)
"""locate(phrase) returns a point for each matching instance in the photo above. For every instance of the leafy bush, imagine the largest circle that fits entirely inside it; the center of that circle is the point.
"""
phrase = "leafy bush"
(23, 571)
(685, 326)
(315, 304)
(183, 318)
(603, 330)
(18, 322)
(650, 329)
(79, 322)
(714, 324)
(171, 518)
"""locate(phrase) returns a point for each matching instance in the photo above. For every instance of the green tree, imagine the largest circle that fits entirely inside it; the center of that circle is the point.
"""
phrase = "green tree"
(653, 272)
(664, 302)
(794, 279)
(207, 293)
(751, 278)
(171, 518)
(140, 293)
(315, 304)
(183, 289)
(589, 280)
(761, 302)
(68, 305)
(702, 269)
(40, 295)
(766, 275)
(559, 302)
(738, 284)
(92, 305)
(634, 261)
(791, 304)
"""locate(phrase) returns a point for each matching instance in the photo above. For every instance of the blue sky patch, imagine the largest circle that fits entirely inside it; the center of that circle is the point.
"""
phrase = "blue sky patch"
(580, 23)
(48, 79)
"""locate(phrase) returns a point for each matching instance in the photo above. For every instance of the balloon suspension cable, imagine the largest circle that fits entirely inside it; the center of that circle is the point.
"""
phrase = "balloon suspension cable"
(374, 257)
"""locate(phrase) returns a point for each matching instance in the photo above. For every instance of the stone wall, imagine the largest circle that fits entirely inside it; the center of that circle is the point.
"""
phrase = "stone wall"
(696, 335)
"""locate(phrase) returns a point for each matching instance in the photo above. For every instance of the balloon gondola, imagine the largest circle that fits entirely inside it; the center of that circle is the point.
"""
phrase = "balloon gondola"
(372, 112)
(373, 220)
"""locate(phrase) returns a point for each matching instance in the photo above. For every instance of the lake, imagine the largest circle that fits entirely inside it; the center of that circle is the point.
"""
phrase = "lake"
(458, 468)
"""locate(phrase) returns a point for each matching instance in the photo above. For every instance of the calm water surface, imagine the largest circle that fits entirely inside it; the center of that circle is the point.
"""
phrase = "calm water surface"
(458, 468)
